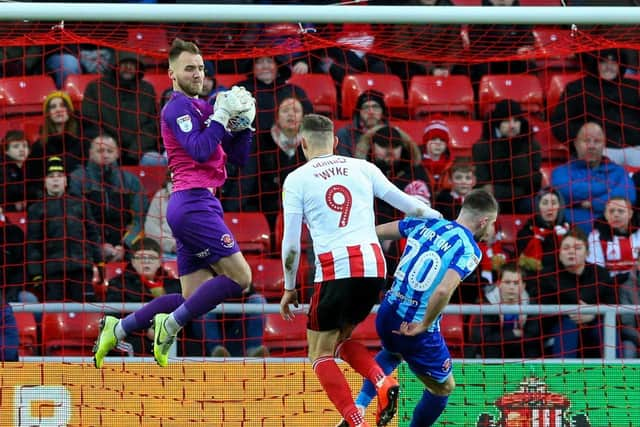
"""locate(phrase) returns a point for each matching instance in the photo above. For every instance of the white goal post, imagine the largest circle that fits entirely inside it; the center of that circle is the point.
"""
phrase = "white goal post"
(16, 11)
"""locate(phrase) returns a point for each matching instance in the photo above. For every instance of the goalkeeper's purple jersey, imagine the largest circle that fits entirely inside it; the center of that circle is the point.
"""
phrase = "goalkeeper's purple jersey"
(193, 143)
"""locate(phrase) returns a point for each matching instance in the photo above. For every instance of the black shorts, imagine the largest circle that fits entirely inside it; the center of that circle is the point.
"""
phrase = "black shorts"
(337, 303)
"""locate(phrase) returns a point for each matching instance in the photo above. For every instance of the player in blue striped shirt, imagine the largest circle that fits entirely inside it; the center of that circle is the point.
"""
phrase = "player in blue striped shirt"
(439, 254)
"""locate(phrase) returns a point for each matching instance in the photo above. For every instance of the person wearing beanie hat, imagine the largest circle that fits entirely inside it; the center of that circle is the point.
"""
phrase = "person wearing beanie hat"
(436, 157)
(123, 104)
(370, 111)
(606, 97)
(59, 137)
(537, 242)
(63, 241)
(508, 159)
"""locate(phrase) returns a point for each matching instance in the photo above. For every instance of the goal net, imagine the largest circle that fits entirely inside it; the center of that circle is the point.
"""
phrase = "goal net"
(546, 116)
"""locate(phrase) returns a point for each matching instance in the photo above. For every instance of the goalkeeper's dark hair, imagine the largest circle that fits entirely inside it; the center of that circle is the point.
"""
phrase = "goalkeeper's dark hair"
(316, 123)
(480, 202)
(178, 46)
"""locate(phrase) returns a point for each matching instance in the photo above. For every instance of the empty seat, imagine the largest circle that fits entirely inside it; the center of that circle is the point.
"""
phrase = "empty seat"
(464, 133)
(557, 83)
(523, 88)
(153, 40)
(552, 149)
(25, 94)
(113, 269)
(553, 42)
(228, 80)
(250, 230)
(286, 337)
(17, 218)
(546, 170)
(76, 84)
(452, 329)
(321, 91)
(28, 333)
(388, 84)
(69, 333)
(152, 178)
(431, 94)
(160, 83)
(509, 225)
(268, 278)
(171, 265)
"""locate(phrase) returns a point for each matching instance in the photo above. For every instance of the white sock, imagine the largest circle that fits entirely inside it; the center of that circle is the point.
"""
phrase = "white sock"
(120, 333)
(171, 326)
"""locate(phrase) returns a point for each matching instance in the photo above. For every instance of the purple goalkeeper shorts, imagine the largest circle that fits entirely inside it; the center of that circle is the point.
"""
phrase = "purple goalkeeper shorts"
(202, 237)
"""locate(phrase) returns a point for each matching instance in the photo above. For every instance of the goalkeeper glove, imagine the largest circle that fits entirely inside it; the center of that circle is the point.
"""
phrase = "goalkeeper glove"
(244, 118)
(227, 105)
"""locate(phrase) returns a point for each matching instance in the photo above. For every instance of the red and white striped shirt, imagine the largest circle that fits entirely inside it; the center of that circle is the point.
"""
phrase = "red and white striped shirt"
(335, 195)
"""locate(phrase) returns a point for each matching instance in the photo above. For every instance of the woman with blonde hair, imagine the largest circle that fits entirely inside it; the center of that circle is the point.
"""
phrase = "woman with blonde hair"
(59, 136)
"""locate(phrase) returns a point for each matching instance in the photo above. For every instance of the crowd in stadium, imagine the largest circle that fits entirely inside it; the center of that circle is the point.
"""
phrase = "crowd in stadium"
(568, 216)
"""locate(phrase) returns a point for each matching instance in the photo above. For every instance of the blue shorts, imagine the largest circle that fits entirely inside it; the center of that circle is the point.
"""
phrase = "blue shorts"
(202, 237)
(426, 354)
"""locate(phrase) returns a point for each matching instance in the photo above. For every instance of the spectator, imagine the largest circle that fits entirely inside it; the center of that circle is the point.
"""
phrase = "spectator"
(61, 61)
(63, 243)
(614, 243)
(122, 104)
(575, 282)
(116, 198)
(59, 136)
(605, 97)
(508, 159)
(280, 154)
(143, 279)
(11, 259)
(590, 179)
(155, 223)
(267, 83)
(538, 239)
(9, 338)
(507, 335)
(234, 335)
(461, 176)
(370, 111)
(436, 157)
(398, 157)
(15, 190)
(16, 61)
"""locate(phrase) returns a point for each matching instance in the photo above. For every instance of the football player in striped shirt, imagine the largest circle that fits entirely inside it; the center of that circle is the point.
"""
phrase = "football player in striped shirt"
(438, 255)
(334, 196)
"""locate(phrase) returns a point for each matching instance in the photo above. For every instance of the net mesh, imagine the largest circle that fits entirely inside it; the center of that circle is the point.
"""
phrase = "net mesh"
(427, 75)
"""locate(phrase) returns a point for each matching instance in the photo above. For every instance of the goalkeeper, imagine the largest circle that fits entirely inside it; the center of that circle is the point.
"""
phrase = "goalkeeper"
(199, 140)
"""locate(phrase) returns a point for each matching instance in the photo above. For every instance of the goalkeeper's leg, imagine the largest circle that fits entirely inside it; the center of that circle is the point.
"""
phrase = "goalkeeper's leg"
(113, 330)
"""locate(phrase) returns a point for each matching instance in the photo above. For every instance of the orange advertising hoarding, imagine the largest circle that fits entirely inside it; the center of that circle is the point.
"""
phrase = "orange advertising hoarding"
(229, 394)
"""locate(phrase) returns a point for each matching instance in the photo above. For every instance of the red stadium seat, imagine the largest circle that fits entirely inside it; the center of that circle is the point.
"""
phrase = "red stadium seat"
(18, 218)
(286, 338)
(509, 225)
(228, 80)
(113, 269)
(366, 333)
(25, 94)
(552, 150)
(464, 134)
(431, 94)
(171, 265)
(321, 91)
(268, 278)
(151, 177)
(523, 88)
(557, 83)
(69, 333)
(251, 231)
(452, 329)
(160, 83)
(546, 170)
(389, 84)
(76, 84)
(552, 41)
(150, 39)
(28, 333)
